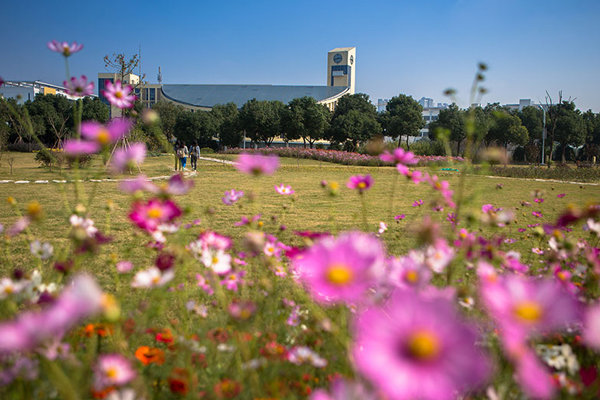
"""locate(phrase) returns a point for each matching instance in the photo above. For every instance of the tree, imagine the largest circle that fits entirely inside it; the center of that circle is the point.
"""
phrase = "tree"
(94, 109)
(452, 120)
(532, 120)
(506, 129)
(53, 115)
(354, 119)
(592, 138)
(262, 120)
(404, 118)
(306, 119)
(228, 130)
(123, 66)
(168, 113)
(569, 127)
(195, 126)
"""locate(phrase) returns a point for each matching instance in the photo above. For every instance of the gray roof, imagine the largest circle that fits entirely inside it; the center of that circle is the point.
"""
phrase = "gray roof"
(210, 95)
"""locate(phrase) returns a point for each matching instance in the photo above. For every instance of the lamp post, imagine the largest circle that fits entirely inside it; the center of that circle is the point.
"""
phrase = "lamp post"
(543, 133)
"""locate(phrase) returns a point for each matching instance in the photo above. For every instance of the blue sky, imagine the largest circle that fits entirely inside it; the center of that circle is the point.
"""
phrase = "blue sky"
(413, 47)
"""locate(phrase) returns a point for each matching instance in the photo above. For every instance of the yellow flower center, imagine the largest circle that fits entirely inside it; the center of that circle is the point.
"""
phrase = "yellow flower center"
(119, 94)
(156, 280)
(66, 51)
(154, 213)
(438, 185)
(111, 372)
(8, 289)
(334, 185)
(423, 345)
(412, 276)
(562, 276)
(528, 311)
(339, 274)
(232, 277)
(361, 185)
(103, 136)
(215, 260)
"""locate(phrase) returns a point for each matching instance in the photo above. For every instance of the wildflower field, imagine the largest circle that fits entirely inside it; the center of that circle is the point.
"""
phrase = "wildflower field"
(279, 278)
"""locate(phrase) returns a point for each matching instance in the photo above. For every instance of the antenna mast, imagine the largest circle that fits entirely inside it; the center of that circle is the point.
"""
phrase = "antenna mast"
(159, 78)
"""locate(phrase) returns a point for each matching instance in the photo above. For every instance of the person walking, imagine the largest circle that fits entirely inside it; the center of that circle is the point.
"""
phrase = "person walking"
(195, 154)
(176, 148)
(183, 155)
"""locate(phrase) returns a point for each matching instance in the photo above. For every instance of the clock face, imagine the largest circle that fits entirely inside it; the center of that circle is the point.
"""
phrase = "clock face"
(351, 60)
(337, 58)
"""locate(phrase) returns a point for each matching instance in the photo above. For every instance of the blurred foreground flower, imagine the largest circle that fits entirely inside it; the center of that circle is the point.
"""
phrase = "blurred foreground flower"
(257, 164)
(97, 136)
(360, 182)
(232, 196)
(79, 87)
(284, 190)
(64, 48)
(412, 348)
(112, 370)
(118, 95)
(125, 159)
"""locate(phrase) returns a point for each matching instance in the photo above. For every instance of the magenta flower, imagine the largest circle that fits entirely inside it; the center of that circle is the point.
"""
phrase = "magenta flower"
(400, 217)
(257, 164)
(538, 200)
(64, 48)
(400, 156)
(345, 390)
(341, 269)
(415, 176)
(360, 182)
(97, 136)
(150, 215)
(247, 221)
(591, 333)
(418, 203)
(409, 272)
(537, 214)
(233, 279)
(560, 196)
(176, 185)
(125, 159)
(112, 370)
(79, 87)
(118, 95)
(524, 307)
(232, 196)
(418, 349)
(284, 190)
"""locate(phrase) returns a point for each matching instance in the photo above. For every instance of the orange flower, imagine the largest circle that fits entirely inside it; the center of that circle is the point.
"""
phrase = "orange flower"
(149, 355)
(98, 329)
(165, 336)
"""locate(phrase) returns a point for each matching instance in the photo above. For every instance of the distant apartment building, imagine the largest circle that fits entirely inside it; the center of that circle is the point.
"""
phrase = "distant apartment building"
(522, 104)
(431, 112)
(382, 104)
(24, 91)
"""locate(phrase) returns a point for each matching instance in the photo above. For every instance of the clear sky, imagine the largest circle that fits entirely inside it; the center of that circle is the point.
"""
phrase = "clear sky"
(412, 47)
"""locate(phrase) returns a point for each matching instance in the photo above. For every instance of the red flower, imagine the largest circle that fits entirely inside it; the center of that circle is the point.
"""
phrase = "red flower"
(227, 389)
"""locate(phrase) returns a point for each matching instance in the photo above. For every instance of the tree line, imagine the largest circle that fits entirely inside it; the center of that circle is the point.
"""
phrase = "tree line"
(353, 122)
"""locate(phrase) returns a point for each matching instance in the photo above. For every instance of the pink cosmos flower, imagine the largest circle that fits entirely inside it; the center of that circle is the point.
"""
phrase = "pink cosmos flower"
(400, 217)
(81, 299)
(537, 250)
(439, 256)
(523, 307)
(451, 217)
(344, 390)
(415, 176)
(118, 95)
(124, 266)
(97, 136)
(210, 239)
(418, 203)
(560, 196)
(217, 260)
(204, 285)
(79, 87)
(530, 373)
(418, 349)
(233, 279)
(247, 221)
(360, 182)
(400, 156)
(538, 200)
(64, 48)
(341, 269)
(537, 214)
(125, 159)
(257, 164)
(487, 208)
(112, 370)
(232, 196)
(152, 277)
(284, 190)
(591, 333)
(150, 215)
(409, 272)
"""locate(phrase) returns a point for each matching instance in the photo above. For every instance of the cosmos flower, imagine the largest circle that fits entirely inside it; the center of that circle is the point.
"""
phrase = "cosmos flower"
(217, 260)
(409, 272)
(96, 136)
(176, 185)
(112, 370)
(560, 196)
(400, 156)
(400, 217)
(233, 279)
(360, 182)
(415, 176)
(418, 203)
(257, 164)
(127, 158)
(341, 269)
(537, 214)
(284, 190)
(232, 196)
(124, 266)
(150, 215)
(41, 250)
(415, 348)
(152, 277)
(79, 87)
(523, 307)
(591, 333)
(64, 48)
(118, 95)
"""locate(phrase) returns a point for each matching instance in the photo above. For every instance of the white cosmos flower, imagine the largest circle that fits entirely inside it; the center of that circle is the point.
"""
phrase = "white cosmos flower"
(217, 260)
(152, 277)
(41, 250)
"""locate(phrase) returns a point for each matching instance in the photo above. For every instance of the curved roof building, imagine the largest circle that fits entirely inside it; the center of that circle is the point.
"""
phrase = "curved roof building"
(340, 81)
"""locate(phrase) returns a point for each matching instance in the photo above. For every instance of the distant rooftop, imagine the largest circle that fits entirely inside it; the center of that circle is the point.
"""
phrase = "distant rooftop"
(211, 95)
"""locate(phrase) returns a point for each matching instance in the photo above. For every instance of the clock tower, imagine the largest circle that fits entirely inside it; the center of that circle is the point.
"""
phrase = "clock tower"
(341, 64)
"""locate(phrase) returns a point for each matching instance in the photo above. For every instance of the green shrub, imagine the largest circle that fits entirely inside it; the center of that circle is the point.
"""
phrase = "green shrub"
(206, 150)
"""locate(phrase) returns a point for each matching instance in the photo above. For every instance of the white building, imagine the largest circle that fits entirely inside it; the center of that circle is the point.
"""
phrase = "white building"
(23, 91)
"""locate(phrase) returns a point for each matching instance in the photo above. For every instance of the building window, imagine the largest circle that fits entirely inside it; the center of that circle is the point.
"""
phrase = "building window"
(152, 94)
